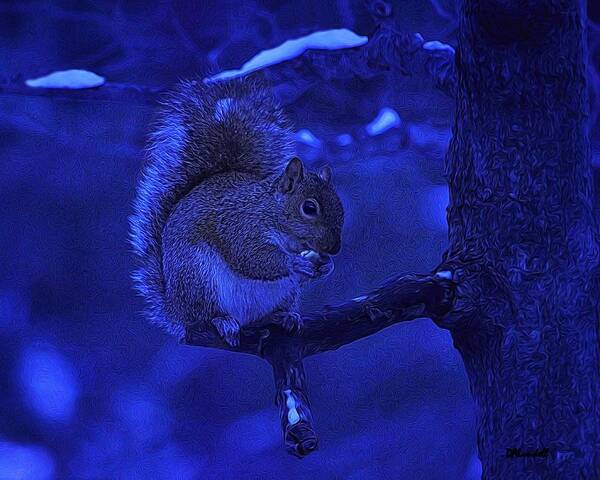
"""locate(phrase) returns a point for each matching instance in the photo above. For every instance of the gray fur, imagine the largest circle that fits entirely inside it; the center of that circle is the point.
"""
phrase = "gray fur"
(217, 222)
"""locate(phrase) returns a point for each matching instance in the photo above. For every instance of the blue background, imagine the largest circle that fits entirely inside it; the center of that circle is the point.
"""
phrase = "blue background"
(88, 388)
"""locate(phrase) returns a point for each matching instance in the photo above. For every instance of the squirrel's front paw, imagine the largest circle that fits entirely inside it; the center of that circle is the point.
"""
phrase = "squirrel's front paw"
(229, 329)
(290, 321)
(304, 266)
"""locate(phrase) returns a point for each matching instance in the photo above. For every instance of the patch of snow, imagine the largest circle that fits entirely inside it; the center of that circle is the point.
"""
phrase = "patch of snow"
(386, 119)
(344, 140)
(439, 46)
(290, 403)
(307, 137)
(334, 39)
(70, 79)
(445, 274)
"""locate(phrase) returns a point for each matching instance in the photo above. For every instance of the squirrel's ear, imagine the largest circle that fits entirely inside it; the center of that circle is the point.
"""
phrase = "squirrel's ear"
(293, 174)
(325, 173)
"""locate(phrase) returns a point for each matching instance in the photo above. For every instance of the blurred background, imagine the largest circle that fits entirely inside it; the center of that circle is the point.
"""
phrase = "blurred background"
(88, 388)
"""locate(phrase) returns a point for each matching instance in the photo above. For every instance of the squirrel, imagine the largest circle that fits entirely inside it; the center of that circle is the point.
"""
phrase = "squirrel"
(228, 224)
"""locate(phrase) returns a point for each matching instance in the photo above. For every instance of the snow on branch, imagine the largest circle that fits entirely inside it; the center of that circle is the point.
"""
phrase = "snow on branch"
(387, 50)
(109, 92)
(292, 68)
(336, 39)
(67, 79)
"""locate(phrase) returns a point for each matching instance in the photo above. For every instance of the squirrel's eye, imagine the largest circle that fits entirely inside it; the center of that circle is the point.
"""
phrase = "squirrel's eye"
(310, 208)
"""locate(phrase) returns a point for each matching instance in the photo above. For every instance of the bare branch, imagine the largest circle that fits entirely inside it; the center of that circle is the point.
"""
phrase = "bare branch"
(404, 298)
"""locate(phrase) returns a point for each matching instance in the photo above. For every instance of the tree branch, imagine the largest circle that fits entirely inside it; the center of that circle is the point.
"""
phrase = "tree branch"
(292, 399)
(386, 51)
(404, 298)
(108, 92)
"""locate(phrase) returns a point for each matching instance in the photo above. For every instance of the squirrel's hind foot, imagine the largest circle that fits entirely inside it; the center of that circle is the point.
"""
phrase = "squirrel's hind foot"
(291, 321)
(229, 329)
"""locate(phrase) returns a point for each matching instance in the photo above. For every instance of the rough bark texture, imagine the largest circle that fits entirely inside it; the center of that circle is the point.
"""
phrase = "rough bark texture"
(523, 239)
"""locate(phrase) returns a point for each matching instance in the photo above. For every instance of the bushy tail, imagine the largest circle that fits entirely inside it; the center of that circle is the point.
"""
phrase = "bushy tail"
(202, 130)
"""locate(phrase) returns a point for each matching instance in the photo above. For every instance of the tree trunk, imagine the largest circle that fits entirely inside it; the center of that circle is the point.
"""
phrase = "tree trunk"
(523, 239)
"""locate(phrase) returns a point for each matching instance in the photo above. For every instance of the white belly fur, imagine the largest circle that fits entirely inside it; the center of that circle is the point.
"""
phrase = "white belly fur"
(246, 300)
